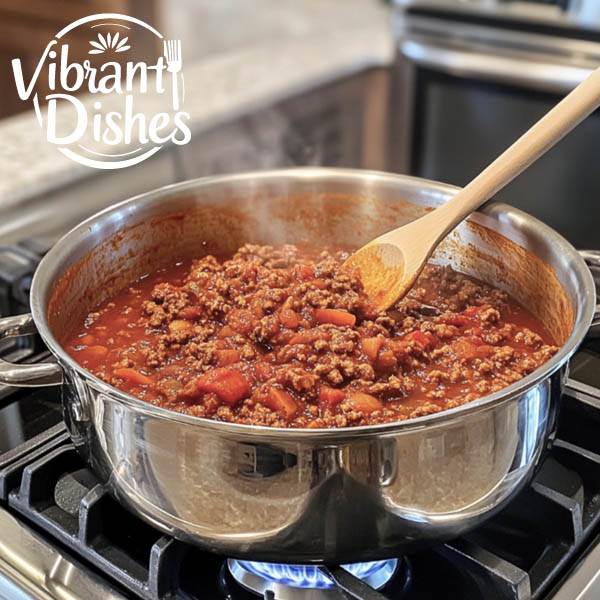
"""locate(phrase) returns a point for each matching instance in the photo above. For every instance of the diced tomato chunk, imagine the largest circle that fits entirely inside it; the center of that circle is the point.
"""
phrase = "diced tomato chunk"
(303, 272)
(227, 356)
(476, 340)
(335, 317)
(330, 397)
(319, 284)
(180, 325)
(387, 360)
(471, 347)
(228, 384)
(288, 318)
(132, 376)
(281, 401)
(263, 370)
(364, 402)
(371, 346)
(464, 349)
(484, 351)
(425, 339)
(191, 313)
(303, 337)
(454, 319)
(226, 331)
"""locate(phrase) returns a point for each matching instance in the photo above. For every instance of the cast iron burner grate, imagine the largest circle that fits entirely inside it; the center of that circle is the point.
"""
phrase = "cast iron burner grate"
(17, 266)
(517, 555)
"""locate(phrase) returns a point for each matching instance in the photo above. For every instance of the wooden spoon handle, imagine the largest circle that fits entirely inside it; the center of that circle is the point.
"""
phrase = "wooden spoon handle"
(551, 128)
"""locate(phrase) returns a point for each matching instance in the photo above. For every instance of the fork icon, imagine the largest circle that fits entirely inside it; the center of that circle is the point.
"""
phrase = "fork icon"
(172, 52)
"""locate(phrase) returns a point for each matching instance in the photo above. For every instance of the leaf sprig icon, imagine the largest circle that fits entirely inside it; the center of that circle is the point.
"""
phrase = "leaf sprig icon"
(108, 43)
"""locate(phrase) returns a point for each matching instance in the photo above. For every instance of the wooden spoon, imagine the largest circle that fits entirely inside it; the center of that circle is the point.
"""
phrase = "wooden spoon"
(389, 264)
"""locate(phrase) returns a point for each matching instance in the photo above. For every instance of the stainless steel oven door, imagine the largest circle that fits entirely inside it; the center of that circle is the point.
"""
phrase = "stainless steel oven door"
(464, 92)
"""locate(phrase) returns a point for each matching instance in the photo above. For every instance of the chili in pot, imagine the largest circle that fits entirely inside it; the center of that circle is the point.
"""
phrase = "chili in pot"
(285, 337)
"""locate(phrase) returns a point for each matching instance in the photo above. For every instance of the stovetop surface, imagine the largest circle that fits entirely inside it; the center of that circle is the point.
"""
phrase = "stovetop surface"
(585, 365)
(525, 552)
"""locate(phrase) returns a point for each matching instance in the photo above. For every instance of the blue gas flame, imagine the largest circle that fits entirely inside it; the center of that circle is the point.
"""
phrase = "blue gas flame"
(309, 576)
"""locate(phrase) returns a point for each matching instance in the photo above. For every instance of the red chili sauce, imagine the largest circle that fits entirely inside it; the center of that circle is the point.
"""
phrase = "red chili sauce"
(286, 337)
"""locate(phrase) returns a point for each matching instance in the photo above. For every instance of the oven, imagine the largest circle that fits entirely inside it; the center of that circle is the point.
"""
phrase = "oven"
(471, 77)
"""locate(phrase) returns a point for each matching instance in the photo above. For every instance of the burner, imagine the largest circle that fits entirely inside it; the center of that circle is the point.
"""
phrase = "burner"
(291, 582)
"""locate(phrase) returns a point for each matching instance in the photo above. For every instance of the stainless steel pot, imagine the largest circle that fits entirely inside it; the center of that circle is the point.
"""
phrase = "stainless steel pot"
(336, 495)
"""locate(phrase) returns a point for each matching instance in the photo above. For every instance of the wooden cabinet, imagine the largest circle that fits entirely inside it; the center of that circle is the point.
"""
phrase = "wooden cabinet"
(27, 26)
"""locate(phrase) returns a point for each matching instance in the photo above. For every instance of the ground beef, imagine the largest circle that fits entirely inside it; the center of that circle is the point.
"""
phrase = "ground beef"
(285, 337)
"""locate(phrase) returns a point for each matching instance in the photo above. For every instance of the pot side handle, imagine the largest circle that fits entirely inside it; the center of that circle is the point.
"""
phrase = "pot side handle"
(26, 375)
(592, 259)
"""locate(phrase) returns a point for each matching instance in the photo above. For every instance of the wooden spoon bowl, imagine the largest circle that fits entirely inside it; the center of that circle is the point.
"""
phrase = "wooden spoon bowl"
(389, 265)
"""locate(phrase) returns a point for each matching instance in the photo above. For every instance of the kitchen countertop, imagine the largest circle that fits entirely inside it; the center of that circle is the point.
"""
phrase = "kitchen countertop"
(291, 48)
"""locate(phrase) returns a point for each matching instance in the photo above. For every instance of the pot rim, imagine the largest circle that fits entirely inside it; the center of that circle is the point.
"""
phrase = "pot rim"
(583, 313)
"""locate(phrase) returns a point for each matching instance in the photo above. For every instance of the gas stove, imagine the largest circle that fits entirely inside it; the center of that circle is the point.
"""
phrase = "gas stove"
(63, 536)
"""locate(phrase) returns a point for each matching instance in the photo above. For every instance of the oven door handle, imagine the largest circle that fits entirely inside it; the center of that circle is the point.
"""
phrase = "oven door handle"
(26, 375)
(522, 71)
